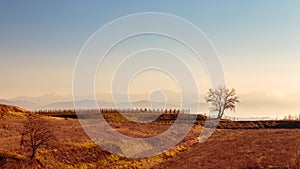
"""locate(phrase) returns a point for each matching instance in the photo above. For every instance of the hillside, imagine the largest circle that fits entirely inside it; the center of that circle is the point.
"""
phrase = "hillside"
(12, 111)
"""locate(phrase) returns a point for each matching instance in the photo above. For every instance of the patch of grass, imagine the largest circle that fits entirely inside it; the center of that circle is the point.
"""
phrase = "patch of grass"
(16, 155)
(170, 153)
(46, 159)
(110, 159)
(88, 145)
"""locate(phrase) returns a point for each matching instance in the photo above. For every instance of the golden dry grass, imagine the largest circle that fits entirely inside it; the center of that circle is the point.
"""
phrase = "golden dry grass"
(226, 148)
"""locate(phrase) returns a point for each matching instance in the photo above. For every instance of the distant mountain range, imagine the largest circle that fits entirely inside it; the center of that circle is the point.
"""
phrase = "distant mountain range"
(21, 103)
(54, 101)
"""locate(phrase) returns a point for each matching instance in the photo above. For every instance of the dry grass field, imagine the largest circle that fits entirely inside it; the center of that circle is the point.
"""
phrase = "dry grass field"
(226, 148)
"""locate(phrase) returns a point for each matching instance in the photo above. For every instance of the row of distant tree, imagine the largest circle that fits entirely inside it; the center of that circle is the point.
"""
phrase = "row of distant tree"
(290, 117)
(110, 110)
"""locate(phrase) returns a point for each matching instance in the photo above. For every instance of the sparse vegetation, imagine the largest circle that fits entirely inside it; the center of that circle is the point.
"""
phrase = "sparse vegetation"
(12, 111)
(238, 148)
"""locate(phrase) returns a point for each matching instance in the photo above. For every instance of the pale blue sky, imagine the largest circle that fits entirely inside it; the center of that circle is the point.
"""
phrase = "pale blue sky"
(257, 40)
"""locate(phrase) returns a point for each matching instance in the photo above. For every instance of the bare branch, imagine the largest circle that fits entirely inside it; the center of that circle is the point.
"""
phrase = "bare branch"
(35, 134)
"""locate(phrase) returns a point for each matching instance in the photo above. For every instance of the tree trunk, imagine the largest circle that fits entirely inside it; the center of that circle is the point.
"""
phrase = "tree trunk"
(32, 154)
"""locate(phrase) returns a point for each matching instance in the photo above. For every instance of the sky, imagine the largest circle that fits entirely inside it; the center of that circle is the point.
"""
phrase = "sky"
(257, 41)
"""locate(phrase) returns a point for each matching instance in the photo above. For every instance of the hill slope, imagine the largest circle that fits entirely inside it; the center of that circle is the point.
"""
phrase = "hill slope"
(12, 111)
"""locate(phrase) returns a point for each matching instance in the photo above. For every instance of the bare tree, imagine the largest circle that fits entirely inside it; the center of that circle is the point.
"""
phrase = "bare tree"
(35, 135)
(222, 99)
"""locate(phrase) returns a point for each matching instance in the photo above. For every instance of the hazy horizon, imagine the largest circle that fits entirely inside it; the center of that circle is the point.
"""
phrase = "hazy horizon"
(273, 105)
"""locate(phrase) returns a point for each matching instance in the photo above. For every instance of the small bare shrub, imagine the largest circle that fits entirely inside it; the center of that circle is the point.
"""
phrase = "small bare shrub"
(35, 135)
